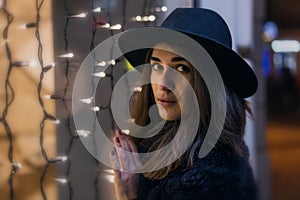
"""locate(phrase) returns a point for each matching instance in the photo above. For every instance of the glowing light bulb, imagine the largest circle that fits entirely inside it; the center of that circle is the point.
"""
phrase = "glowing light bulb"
(116, 27)
(125, 131)
(61, 180)
(80, 15)
(137, 89)
(52, 119)
(138, 18)
(83, 133)
(112, 62)
(59, 159)
(151, 18)
(100, 64)
(98, 9)
(67, 55)
(164, 8)
(32, 63)
(106, 25)
(51, 64)
(56, 121)
(145, 18)
(131, 120)
(157, 9)
(87, 100)
(48, 67)
(96, 108)
(47, 96)
(100, 74)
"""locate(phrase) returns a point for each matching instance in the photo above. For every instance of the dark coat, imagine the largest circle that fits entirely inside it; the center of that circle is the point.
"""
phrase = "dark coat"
(221, 175)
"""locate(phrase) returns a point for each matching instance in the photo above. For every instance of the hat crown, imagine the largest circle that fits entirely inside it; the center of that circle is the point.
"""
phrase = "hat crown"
(200, 22)
(209, 30)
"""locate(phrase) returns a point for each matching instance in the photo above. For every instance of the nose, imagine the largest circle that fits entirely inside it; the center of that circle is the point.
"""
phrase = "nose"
(165, 80)
(162, 87)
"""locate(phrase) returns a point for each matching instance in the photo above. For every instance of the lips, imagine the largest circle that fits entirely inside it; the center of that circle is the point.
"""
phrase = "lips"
(166, 102)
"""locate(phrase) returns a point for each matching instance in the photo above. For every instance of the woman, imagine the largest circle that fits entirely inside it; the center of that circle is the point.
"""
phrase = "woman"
(224, 173)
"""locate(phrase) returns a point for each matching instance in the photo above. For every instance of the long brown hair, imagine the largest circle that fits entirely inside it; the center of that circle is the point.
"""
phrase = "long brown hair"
(232, 133)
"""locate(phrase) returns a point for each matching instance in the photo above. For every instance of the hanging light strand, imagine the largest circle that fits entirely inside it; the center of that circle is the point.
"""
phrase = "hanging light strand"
(64, 101)
(124, 15)
(93, 87)
(47, 116)
(123, 25)
(111, 67)
(9, 97)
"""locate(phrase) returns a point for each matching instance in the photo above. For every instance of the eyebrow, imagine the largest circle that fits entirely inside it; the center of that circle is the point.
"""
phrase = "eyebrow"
(175, 59)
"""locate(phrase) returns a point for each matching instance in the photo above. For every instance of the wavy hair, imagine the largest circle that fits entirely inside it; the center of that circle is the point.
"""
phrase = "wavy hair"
(232, 132)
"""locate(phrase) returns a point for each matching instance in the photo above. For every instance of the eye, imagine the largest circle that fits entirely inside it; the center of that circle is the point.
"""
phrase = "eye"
(183, 69)
(157, 66)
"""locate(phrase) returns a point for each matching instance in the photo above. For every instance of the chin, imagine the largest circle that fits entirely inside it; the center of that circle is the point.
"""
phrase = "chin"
(171, 117)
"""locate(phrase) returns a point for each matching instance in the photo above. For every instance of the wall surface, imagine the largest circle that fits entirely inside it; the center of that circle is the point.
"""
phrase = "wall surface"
(25, 114)
(88, 179)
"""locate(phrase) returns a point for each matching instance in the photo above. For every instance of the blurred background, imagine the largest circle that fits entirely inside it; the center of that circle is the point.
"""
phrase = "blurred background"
(42, 46)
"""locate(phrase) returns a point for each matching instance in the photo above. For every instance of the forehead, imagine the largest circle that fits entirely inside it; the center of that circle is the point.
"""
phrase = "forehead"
(164, 49)
(160, 53)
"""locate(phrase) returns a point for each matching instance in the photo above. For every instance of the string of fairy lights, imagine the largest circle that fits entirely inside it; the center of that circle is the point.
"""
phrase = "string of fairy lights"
(46, 116)
(69, 16)
(92, 46)
(9, 98)
(148, 14)
(102, 64)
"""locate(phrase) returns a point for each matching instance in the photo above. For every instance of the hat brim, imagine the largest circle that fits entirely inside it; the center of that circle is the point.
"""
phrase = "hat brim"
(235, 71)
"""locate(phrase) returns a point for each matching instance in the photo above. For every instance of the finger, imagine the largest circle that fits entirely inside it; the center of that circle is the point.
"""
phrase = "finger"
(121, 154)
(130, 146)
(114, 160)
(124, 143)
(133, 148)
(128, 160)
(119, 138)
(116, 167)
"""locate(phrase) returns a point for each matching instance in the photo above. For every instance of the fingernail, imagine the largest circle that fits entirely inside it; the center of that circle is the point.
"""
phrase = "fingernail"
(118, 141)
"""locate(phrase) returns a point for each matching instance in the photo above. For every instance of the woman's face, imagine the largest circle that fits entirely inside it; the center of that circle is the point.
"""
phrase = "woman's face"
(163, 62)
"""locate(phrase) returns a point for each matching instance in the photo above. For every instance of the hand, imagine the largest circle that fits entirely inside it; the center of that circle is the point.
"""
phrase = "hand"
(125, 182)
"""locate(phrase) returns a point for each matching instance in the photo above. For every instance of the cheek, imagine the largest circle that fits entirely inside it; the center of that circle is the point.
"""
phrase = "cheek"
(190, 78)
(183, 86)
(154, 88)
(152, 77)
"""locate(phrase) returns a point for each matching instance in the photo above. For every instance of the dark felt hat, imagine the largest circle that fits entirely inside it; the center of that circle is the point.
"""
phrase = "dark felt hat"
(210, 30)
